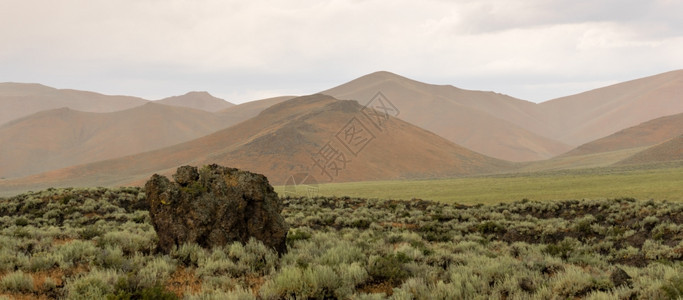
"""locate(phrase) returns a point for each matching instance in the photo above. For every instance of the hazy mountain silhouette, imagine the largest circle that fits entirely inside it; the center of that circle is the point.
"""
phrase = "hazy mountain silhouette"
(197, 100)
(486, 122)
(286, 139)
(277, 136)
(63, 137)
(588, 116)
(22, 99)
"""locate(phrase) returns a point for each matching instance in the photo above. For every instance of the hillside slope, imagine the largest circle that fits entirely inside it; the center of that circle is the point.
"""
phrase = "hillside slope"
(64, 137)
(616, 147)
(489, 123)
(642, 135)
(588, 116)
(671, 150)
(286, 139)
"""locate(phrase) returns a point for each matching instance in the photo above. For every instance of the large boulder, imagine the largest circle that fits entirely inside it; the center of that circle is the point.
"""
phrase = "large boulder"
(213, 206)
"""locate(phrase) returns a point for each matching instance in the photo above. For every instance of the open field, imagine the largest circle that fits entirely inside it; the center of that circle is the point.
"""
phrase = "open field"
(663, 183)
(97, 243)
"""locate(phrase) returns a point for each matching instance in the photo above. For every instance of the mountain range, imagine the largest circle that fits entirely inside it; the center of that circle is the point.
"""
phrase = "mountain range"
(295, 136)
(486, 122)
(55, 137)
(18, 100)
(23, 99)
(508, 128)
(64, 137)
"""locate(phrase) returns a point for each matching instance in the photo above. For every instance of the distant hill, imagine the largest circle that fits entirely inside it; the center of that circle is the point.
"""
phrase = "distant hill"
(242, 112)
(512, 129)
(121, 140)
(616, 147)
(197, 100)
(645, 134)
(595, 114)
(671, 150)
(18, 100)
(63, 137)
(286, 139)
(486, 122)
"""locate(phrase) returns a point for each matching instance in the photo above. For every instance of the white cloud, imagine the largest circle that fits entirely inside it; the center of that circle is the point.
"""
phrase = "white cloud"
(240, 49)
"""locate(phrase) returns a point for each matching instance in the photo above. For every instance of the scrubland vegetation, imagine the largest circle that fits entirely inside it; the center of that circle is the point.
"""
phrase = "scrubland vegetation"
(99, 243)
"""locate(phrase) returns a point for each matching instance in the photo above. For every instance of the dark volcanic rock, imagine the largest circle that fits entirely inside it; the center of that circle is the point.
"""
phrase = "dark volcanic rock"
(214, 206)
(619, 277)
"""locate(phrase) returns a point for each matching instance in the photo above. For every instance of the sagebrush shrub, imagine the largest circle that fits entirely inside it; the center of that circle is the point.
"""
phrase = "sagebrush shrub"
(93, 285)
(388, 268)
(155, 272)
(18, 282)
(188, 254)
(674, 287)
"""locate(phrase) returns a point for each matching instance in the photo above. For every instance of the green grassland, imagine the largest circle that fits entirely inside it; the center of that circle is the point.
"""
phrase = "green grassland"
(664, 183)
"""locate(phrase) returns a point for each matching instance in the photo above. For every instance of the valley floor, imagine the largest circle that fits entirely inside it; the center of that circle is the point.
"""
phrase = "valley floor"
(662, 182)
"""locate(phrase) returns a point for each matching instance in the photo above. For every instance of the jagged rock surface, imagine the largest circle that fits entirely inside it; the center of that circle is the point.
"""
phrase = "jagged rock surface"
(214, 206)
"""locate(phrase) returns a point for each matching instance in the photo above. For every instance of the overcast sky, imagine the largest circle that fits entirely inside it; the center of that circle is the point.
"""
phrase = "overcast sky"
(245, 50)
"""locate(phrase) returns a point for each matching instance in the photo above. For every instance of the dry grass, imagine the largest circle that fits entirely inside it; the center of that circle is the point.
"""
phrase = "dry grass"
(184, 280)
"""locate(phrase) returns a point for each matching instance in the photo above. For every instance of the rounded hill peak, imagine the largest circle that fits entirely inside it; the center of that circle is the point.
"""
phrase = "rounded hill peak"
(198, 100)
(199, 93)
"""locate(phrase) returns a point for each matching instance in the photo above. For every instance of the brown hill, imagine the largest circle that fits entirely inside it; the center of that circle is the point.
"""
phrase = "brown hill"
(242, 112)
(286, 139)
(22, 99)
(614, 148)
(671, 150)
(63, 137)
(490, 123)
(197, 100)
(588, 116)
(645, 134)
(494, 124)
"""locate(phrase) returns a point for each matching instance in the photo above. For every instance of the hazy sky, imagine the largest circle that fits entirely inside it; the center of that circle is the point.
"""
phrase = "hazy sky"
(245, 50)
